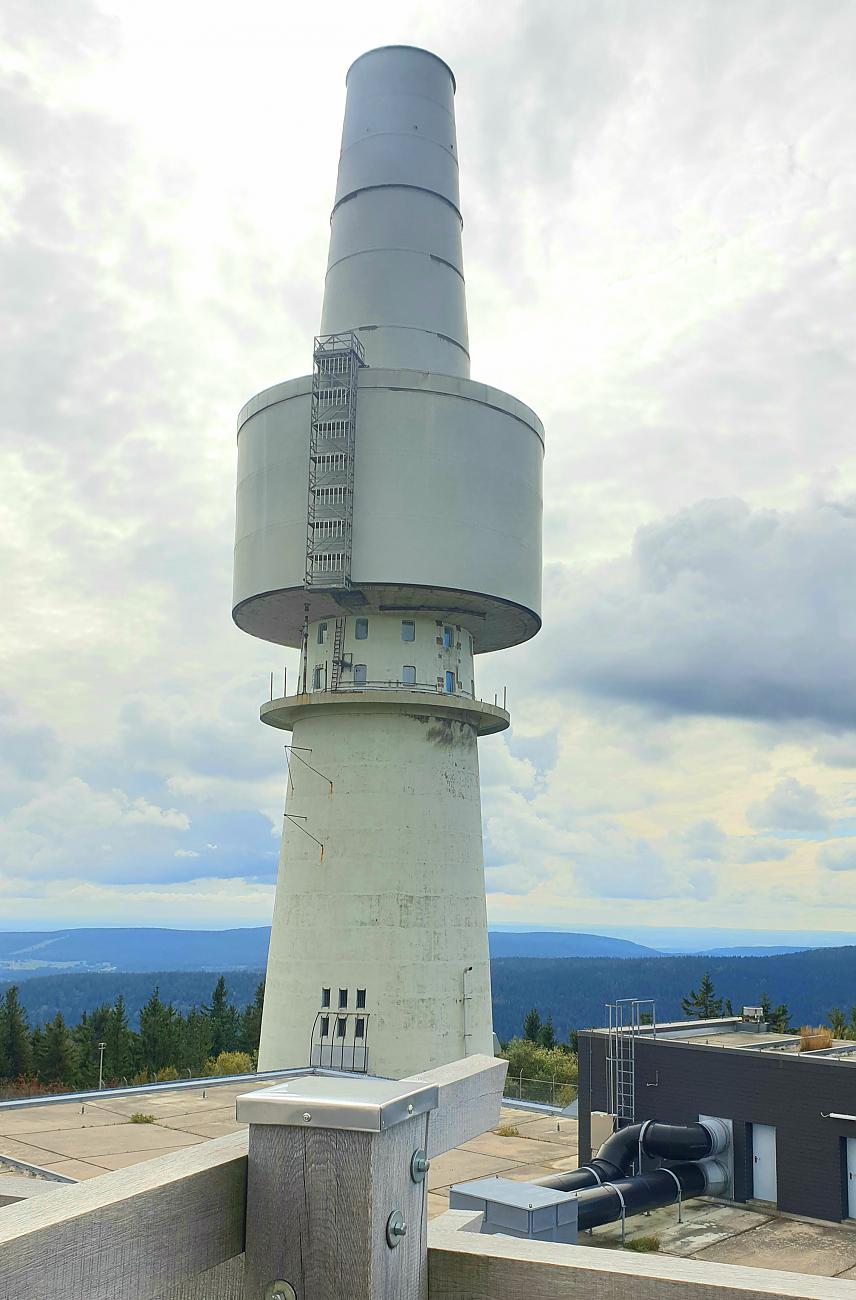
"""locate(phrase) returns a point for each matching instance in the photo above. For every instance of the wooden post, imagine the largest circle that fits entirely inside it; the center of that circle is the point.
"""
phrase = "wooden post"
(336, 1194)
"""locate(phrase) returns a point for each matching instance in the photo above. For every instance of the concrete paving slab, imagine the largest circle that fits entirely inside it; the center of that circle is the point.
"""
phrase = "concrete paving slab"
(110, 1138)
(515, 1148)
(704, 1224)
(546, 1130)
(791, 1245)
(79, 1169)
(459, 1166)
(29, 1151)
(19, 1123)
(212, 1128)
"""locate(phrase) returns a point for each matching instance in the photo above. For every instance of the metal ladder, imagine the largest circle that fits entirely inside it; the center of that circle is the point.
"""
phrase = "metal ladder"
(337, 359)
(624, 1025)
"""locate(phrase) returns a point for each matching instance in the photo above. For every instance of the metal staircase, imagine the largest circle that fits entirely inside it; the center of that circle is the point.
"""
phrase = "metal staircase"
(337, 359)
(338, 652)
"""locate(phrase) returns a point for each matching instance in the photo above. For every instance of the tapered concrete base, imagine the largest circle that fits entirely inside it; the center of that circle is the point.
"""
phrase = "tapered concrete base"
(393, 910)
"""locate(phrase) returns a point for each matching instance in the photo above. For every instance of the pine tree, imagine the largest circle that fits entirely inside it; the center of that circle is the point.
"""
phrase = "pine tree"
(546, 1034)
(531, 1025)
(223, 1019)
(194, 1042)
(157, 1033)
(16, 1054)
(57, 1060)
(776, 1017)
(702, 1005)
(250, 1033)
(837, 1022)
(119, 1053)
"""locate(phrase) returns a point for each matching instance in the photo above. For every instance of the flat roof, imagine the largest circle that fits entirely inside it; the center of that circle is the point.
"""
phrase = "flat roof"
(738, 1035)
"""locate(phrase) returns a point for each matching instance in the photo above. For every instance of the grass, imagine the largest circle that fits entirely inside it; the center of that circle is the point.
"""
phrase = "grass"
(644, 1245)
(140, 1117)
(812, 1040)
(506, 1131)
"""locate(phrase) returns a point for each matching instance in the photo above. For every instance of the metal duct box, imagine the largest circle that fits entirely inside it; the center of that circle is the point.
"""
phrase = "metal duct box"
(519, 1209)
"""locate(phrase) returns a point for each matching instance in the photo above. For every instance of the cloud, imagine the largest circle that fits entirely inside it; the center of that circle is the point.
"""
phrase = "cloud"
(838, 857)
(719, 609)
(790, 806)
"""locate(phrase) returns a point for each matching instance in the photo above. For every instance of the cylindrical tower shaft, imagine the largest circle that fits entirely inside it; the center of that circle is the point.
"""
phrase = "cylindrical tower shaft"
(389, 525)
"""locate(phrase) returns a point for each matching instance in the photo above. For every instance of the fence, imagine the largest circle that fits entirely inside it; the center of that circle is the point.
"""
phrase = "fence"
(546, 1092)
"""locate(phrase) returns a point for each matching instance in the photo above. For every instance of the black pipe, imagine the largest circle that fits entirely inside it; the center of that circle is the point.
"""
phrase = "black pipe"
(618, 1153)
(598, 1205)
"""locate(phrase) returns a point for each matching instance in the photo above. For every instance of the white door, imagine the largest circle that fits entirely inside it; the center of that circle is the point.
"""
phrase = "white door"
(764, 1162)
(851, 1177)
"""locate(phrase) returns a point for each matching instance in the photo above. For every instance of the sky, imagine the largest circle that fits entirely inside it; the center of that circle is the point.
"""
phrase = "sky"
(660, 205)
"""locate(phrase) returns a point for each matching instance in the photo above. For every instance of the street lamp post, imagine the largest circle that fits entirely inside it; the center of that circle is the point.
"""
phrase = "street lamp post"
(101, 1047)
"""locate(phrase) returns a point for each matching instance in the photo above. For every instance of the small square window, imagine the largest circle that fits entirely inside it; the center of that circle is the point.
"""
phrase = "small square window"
(360, 674)
(341, 1024)
(450, 682)
(361, 628)
(448, 638)
(361, 999)
(408, 674)
(408, 629)
(316, 678)
(325, 997)
(343, 999)
(322, 633)
(360, 1028)
(325, 1026)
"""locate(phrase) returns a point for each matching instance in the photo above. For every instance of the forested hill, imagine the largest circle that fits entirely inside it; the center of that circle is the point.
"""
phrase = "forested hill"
(45, 995)
(571, 989)
(574, 990)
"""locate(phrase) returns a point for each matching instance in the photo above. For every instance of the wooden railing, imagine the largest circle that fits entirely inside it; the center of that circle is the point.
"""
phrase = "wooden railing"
(313, 1205)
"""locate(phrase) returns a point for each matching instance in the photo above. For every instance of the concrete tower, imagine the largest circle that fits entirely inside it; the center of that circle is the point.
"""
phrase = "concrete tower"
(389, 526)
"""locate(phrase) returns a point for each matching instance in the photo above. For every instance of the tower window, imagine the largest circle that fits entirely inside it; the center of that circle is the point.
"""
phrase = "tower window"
(450, 682)
(322, 633)
(325, 1026)
(341, 1023)
(360, 674)
(325, 997)
(343, 999)
(448, 638)
(361, 999)
(408, 629)
(408, 674)
(316, 678)
(360, 1028)
(361, 629)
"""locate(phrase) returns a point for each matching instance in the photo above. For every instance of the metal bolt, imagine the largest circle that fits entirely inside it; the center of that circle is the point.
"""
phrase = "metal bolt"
(419, 1165)
(280, 1290)
(306, 1115)
(396, 1228)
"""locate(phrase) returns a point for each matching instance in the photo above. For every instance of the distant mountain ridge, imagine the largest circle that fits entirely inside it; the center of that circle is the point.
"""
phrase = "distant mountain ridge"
(563, 943)
(26, 954)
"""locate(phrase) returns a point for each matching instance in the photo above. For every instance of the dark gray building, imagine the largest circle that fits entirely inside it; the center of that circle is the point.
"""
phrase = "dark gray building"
(792, 1113)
